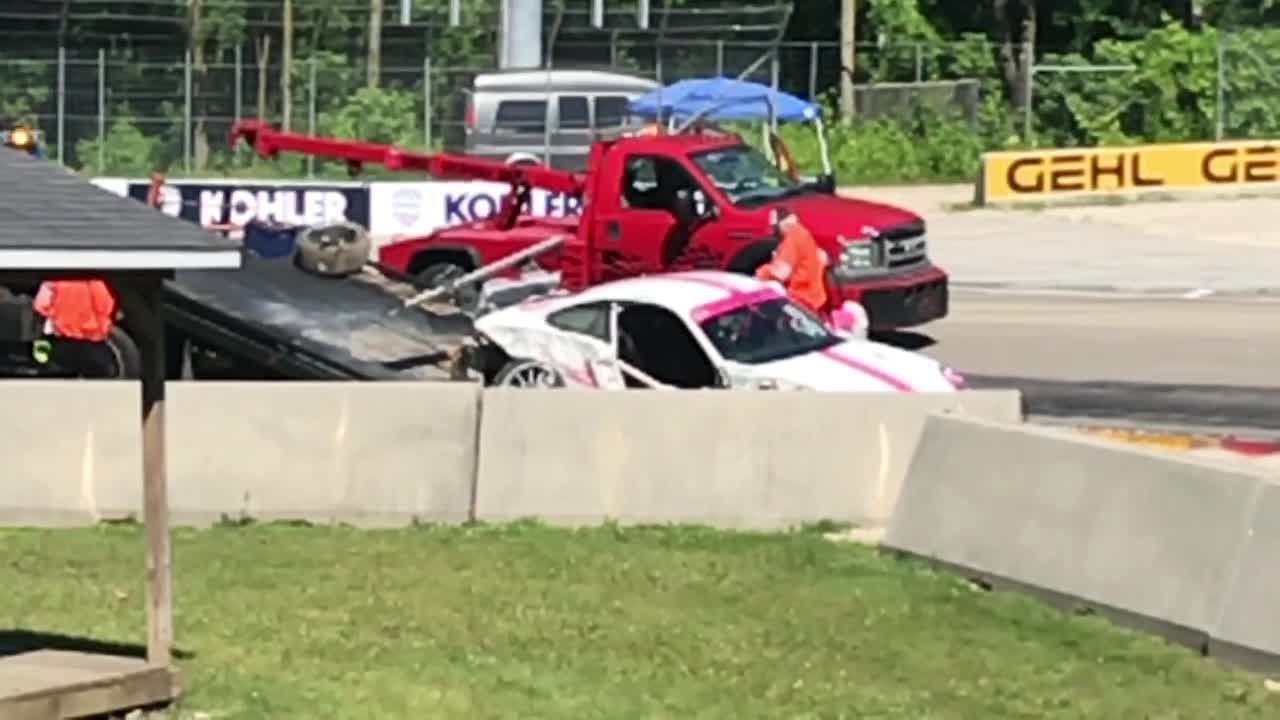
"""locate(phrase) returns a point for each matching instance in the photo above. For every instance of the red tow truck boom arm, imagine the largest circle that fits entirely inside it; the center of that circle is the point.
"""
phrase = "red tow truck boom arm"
(270, 142)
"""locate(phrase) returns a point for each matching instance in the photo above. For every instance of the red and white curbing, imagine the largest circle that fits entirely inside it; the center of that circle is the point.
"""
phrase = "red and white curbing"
(1249, 446)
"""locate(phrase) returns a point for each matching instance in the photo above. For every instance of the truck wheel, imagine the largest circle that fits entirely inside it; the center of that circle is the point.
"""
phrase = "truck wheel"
(528, 374)
(439, 273)
(125, 354)
(115, 358)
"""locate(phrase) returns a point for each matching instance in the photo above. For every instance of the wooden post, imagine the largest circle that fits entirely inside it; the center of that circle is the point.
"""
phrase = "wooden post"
(141, 302)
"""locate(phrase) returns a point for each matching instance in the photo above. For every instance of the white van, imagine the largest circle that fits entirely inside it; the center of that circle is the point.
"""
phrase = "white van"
(535, 116)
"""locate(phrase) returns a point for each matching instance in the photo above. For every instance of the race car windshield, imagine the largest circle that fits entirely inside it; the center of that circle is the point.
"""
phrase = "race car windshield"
(774, 329)
(745, 175)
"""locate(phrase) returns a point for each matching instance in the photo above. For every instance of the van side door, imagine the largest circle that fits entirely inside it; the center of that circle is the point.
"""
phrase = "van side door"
(571, 132)
(518, 131)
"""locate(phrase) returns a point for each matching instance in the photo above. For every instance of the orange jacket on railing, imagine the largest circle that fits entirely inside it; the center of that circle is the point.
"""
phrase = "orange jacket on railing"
(78, 309)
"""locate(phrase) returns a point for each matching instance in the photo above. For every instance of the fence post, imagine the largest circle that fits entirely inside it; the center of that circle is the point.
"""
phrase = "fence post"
(239, 73)
(102, 111)
(919, 64)
(1219, 105)
(426, 101)
(1028, 91)
(62, 103)
(311, 111)
(719, 58)
(813, 70)
(186, 112)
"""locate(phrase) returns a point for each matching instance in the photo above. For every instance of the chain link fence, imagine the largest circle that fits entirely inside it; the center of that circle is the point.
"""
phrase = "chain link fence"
(109, 115)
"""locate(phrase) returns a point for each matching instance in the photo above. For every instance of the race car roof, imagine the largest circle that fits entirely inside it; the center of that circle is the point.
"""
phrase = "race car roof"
(681, 292)
(52, 219)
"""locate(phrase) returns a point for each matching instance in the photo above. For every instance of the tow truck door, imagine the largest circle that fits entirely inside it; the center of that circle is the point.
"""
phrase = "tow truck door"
(637, 230)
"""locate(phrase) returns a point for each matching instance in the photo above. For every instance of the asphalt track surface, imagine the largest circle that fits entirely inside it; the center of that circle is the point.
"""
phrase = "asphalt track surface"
(1192, 363)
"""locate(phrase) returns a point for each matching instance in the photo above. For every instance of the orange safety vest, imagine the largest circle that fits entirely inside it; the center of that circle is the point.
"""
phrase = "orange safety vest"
(78, 309)
(798, 265)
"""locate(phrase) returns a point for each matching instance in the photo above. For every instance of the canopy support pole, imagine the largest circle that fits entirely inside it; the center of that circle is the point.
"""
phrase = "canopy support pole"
(822, 145)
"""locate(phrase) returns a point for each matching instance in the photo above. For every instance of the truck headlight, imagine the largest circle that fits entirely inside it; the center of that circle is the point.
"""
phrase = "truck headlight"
(857, 256)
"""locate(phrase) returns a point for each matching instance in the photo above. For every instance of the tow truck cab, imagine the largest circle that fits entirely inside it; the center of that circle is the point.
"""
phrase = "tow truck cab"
(696, 201)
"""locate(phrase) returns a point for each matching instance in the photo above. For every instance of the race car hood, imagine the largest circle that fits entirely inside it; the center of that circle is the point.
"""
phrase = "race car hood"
(827, 216)
(852, 366)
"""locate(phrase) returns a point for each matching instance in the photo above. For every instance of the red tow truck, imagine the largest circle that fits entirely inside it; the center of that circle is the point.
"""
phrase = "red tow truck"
(653, 204)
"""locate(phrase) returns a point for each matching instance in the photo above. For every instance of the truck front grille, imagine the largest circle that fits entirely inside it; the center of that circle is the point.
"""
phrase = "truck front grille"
(904, 246)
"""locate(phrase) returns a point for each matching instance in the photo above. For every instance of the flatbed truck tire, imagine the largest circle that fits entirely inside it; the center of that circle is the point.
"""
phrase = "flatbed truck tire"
(337, 250)
(126, 359)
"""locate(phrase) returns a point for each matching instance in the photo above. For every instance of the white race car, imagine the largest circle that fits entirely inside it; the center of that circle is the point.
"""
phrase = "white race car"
(701, 329)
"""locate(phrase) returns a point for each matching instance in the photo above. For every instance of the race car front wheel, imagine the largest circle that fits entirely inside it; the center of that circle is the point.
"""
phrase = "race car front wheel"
(528, 374)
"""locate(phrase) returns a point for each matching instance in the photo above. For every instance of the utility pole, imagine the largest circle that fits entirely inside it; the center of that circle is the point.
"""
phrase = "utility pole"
(520, 34)
(286, 67)
(374, 61)
(848, 55)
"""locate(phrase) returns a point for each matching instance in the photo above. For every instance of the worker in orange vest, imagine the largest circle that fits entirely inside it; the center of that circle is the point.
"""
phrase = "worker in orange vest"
(798, 263)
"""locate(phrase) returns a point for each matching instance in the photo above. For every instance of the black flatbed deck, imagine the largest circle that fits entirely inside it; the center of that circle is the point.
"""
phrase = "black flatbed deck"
(272, 315)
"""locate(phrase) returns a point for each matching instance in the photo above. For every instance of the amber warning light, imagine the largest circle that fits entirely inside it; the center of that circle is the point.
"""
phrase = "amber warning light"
(21, 138)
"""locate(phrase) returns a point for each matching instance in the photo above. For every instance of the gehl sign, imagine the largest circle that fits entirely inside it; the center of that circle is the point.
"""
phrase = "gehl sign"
(1049, 174)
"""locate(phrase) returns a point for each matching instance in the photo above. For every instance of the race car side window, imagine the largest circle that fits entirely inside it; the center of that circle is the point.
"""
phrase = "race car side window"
(590, 319)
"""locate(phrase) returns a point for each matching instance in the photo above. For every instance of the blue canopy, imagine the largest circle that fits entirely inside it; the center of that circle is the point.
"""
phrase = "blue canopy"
(724, 99)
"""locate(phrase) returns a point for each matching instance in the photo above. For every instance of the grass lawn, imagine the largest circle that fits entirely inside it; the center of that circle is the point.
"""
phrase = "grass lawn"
(522, 621)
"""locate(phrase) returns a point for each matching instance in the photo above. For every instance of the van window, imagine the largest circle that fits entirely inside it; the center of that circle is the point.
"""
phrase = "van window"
(573, 114)
(611, 110)
(521, 116)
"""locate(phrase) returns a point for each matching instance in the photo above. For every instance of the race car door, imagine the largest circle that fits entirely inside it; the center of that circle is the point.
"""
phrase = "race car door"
(589, 328)
(654, 221)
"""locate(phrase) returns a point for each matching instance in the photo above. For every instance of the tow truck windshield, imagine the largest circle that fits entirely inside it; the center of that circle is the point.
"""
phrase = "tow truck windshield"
(745, 175)
(774, 329)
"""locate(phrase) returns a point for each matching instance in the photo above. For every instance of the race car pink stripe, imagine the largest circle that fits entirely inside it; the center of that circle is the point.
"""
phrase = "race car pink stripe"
(737, 298)
(884, 377)
(733, 302)
(712, 282)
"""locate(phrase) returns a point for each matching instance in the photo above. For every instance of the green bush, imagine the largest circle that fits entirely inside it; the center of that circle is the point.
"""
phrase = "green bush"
(931, 149)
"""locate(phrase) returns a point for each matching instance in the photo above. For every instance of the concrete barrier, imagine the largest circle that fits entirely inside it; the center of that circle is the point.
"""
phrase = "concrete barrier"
(1147, 537)
(369, 454)
(59, 441)
(762, 459)
(363, 453)
(1248, 629)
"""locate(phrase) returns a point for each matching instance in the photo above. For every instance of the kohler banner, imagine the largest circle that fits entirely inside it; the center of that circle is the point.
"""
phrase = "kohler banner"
(233, 203)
